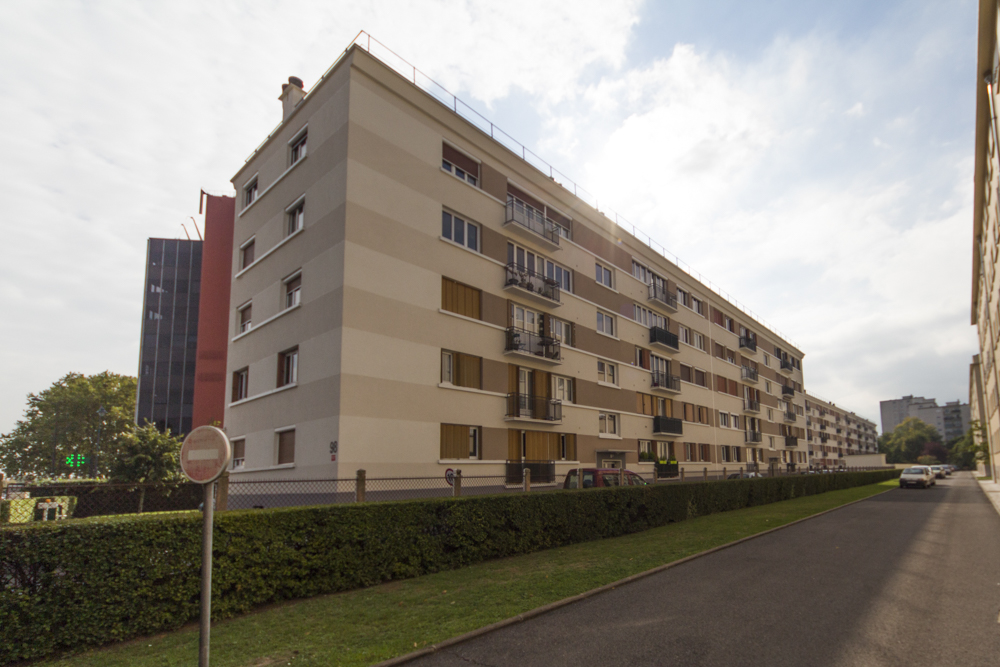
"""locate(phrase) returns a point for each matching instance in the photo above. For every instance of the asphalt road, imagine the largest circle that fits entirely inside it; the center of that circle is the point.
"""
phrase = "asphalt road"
(910, 577)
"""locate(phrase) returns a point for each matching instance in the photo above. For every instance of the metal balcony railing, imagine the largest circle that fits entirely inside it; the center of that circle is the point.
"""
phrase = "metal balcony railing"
(787, 391)
(666, 469)
(790, 416)
(753, 436)
(787, 366)
(531, 219)
(661, 294)
(668, 425)
(791, 441)
(526, 279)
(527, 342)
(751, 406)
(525, 406)
(749, 374)
(748, 343)
(661, 336)
(663, 380)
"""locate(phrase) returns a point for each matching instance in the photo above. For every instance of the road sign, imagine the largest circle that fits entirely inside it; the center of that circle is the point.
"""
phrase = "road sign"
(205, 454)
(449, 476)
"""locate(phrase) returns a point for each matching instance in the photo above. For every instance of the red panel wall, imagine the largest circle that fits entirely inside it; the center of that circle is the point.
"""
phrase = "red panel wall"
(213, 311)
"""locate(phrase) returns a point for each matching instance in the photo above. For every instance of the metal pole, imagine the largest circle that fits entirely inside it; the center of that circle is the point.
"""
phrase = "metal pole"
(206, 576)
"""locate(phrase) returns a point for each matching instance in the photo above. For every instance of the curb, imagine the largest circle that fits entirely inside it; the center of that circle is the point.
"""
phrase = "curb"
(538, 611)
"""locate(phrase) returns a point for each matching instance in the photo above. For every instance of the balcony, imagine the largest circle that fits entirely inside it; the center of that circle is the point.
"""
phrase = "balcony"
(791, 441)
(749, 374)
(665, 382)
(787, 391)
(536, 346)
(790, 416)
(753, 436)
(822, 427)
(532, 224)
(663, 338)
(786, 366)
(542, 472)
(533, 408)
(668, 426)
(665, 297)
(534, 286)
(751, 406)
(748, 343)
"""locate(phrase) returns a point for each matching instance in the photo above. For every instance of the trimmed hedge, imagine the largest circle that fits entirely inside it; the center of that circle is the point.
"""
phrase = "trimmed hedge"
(90, 582)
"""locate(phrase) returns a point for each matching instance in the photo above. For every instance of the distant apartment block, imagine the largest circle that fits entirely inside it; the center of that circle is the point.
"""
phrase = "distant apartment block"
(833, 433)
(184, 326)
(951, 420)
(410, 295)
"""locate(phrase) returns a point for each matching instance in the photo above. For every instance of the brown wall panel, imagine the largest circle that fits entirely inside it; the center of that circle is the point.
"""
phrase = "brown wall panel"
(602, 247)
(591, 341)
(494, 376)
(594, 395)
(586, 448)
(493, 182)
(494, 444)
(585, 286)
(494, 244)
(495, 309)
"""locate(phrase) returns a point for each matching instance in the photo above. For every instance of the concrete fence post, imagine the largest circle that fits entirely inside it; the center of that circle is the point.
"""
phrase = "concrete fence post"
(527, 480)
(360, 487)
(621, 477)
(458, 483)
(724, 472)
(704, 473)
(682, 474)
(741, 472)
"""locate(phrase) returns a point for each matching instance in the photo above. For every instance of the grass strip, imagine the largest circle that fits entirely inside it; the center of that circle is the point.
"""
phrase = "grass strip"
(366, 626)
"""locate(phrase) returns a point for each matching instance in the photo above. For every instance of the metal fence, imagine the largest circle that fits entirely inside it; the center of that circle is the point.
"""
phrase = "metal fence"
(24, 503)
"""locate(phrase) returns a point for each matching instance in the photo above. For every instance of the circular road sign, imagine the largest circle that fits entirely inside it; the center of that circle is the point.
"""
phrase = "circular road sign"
(449, 476)
(205, 454)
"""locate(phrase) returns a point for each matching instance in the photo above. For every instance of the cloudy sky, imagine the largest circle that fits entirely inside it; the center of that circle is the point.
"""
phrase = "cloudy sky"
(812, 159)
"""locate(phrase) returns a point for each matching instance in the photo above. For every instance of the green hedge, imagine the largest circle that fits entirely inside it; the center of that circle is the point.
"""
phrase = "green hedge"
(94, 581)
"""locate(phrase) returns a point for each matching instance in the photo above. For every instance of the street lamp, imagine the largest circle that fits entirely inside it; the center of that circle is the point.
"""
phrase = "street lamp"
(93, 461)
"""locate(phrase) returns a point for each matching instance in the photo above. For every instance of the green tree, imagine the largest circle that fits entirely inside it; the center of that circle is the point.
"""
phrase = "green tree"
(60, 427)
(965, 452)
(147, 457)
(908, 441)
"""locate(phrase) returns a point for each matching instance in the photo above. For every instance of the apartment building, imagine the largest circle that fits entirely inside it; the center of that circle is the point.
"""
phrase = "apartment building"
(410, 295)
(833, 433)
(985, 312)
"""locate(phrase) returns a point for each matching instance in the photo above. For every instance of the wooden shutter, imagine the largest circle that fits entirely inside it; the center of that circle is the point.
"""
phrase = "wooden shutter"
(720, 383)
(571, 446)
(454, 441)
(685, 373)
(513, 445)
(460, 160)
(688, 412)
(286, 447)
(699, 378)
(468, 371)
(734, 388)
(461, 299)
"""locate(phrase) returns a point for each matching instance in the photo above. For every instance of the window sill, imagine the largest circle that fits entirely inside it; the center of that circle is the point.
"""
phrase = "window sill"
(267, 321)
(471, 319)
(273, 248)
(607, 384)
(610, 289)
(609, 436)
(282, 466)
(478, 253)
(448, 385)
(601, 333)
(266, 393)
(276, 181)
(468, 461)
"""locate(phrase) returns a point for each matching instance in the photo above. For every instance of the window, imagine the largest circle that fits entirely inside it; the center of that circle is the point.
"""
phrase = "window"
(727, 323)
(683, 297)
(245, 315)
(241, 384)
(461, 370)
(296, 218)
(239, 453)
(699, 340)
(288, 367)
(724, 450)
(246, 254)
(767, 386)
(684, 334)
(293, 291)
(646, 450)
(689, 451)
(698, 306)
(700, 378)
(767, 360)
(605, 324)
(286, 447)
(299, 147)
(735, 420)
(562, 388)
(607, 423)
(603, 275)
(606, 372)
(640, 272)
(706, 453)
(250, 193)
(539, 265)
(561, 331)
(460, 441)
(724, 419)
(461, 299)
(460, 231)
(648, 318)
(459, 164)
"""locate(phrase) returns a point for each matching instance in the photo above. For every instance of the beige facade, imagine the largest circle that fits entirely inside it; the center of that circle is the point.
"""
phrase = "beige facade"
(834, 434)
(986, 234)
(410, 296)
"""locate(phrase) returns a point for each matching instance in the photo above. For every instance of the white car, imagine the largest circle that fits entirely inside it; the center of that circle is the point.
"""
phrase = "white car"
(921, 476)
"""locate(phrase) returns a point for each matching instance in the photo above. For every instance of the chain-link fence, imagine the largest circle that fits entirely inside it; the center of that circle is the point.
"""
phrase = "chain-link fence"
(22, 503)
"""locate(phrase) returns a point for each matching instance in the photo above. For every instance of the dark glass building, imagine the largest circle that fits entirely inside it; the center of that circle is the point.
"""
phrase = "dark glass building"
(169, 345)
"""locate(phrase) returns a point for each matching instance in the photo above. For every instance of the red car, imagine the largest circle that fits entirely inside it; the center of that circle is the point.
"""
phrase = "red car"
(598, 477)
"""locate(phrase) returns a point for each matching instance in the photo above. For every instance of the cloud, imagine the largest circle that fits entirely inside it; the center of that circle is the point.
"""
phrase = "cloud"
(857, 110)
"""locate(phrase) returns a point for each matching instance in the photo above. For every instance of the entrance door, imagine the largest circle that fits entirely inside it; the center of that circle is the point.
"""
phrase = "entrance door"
(525, 387)
(611, 463)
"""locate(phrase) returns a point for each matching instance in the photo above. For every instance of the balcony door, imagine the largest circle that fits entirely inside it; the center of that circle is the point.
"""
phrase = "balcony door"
(659, 365)
(525, 390)
(526, 319)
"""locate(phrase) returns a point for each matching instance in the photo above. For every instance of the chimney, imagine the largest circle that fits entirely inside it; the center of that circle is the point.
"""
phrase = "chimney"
(291, 94)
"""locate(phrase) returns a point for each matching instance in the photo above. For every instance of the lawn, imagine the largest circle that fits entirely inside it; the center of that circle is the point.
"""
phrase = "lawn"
(366, 626)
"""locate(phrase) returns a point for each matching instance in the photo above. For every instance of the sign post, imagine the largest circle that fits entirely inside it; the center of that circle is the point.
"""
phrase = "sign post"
(205, 455)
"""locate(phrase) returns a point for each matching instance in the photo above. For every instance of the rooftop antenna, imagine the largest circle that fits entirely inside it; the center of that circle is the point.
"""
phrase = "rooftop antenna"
(193, 222)
(185, 231)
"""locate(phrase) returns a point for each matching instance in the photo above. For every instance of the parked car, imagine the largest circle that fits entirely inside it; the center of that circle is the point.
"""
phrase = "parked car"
(939, 472)
(916, 476)
(599, 477)
(745, 475)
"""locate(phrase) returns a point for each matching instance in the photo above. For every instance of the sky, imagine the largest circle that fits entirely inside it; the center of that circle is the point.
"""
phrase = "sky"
(814, 160)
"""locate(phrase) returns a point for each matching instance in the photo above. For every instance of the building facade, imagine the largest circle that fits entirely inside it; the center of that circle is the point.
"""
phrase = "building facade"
(409, 295)
(895, 411)
(985, 309)
(832, 434)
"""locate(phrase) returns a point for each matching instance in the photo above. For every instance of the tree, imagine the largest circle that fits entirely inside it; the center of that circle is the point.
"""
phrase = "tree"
(58, 435)
(908, 441)
(147, 456)
(965, 451)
